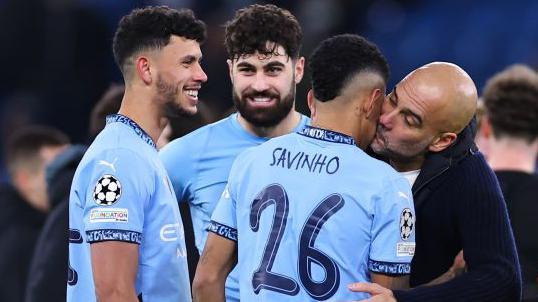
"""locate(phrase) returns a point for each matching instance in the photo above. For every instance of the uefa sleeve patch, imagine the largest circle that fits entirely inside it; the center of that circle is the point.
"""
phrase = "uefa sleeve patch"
(107, 190)
(407, 223)
(109, 215)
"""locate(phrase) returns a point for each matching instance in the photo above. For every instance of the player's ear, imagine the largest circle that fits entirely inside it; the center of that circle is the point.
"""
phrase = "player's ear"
(311, 103)
(230, 70)
(299, 70)
(143, 69)
(372, 103)
(485, 127)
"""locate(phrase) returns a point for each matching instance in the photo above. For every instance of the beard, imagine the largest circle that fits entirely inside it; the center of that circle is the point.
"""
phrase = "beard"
(167, 94)
(401, 152)
(264, 117)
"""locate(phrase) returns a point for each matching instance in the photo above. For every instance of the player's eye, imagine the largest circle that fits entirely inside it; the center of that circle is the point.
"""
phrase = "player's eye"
(190, 60)
(247, 70)
(274, 70)
(411, 121)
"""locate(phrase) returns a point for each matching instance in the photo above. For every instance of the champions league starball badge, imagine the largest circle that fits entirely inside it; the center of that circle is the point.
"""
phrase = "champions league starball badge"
(407, 222)
(107, 190)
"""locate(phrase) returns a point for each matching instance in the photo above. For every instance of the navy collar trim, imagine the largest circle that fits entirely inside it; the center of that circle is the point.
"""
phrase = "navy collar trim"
(326, 135)
(115, 118)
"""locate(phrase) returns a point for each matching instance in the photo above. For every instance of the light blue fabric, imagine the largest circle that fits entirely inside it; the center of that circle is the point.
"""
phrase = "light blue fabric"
(199, 164)
(121, 192)
(311, 213)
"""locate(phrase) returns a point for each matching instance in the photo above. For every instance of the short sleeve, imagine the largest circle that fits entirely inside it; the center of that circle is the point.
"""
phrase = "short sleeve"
(223, 221)
(179, 163)
(224, 217)
(120, 186)
(393, 230)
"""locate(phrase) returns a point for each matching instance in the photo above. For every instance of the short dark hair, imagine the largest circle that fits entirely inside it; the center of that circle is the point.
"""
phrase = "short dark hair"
(338, 59)
(255, 25)
(511, 101)
(109, 103)
(24, 145)
(151, 28)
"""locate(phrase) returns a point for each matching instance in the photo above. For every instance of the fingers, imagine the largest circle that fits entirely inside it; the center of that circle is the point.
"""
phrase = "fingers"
(371, 288)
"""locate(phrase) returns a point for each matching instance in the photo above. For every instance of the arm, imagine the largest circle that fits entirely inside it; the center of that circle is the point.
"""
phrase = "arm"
(390, 282)
(487, 240)
(114, 266)
(457, 268)
(217, 261)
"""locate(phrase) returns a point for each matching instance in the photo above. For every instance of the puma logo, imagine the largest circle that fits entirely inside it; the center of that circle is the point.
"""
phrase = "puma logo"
(108, 164)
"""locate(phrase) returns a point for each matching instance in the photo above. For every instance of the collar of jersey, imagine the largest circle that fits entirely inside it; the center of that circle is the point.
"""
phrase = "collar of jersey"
(326, 135)
(119, 118)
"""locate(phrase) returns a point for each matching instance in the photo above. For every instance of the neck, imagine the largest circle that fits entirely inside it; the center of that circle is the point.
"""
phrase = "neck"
(140, 107)
(512, 154)
(336, 120)
(284, 127)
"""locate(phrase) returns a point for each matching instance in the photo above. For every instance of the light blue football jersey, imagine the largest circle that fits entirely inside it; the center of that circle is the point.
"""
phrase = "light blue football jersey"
(121, 192)
(199, 164)
(311, 213)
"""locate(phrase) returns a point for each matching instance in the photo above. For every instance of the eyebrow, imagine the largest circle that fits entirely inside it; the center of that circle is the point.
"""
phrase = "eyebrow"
(407, 110)
(245, 64)
(265, 66)
(190, 58)
(274, 64)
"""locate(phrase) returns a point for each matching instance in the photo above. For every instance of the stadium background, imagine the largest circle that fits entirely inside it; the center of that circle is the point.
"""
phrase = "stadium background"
(57, 61)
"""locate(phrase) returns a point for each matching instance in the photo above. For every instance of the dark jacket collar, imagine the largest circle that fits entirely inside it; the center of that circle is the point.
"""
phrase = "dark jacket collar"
(436, 164)
(60, 172)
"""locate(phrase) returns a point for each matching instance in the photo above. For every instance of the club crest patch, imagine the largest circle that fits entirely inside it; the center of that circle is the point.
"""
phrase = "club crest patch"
(407, 223)
(107, 190)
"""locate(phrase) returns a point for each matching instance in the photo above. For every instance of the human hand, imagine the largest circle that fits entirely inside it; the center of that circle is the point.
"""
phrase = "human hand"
(459, 266)
(378, 292)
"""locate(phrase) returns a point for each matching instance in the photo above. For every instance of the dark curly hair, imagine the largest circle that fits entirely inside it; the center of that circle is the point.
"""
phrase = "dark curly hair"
(511, 101)
(151, 28)
(337, 59)
(254, 26)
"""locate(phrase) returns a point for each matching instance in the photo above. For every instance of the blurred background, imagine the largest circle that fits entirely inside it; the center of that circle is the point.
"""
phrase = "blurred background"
(57, 59)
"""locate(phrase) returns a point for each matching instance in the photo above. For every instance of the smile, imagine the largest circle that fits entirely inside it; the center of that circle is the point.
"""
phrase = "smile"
(192, 93)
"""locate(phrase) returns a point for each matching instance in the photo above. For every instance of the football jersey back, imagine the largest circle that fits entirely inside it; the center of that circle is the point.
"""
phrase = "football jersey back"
(314, 213)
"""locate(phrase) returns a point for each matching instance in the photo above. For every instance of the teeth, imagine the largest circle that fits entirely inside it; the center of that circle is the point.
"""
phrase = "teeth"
(261, 100)
(192, 93)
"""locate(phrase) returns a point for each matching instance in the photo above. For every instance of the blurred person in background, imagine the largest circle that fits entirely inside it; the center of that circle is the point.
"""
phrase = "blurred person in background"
(24, 203)
(126, 240)
(263, 44)
(510, 127)
(48, 269)
(426, 131)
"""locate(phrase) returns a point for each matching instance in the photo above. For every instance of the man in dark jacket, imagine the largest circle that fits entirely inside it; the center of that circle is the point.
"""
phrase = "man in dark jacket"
(24, 203)
(48, 270)
(458, 202)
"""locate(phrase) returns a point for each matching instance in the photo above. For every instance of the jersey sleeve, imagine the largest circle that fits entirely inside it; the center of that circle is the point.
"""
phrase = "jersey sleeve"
(224, 217)
(178, 160)
(223, 221)
(393, 230)
(120, 185)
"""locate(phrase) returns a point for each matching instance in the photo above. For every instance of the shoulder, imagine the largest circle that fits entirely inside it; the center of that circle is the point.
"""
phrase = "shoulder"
(116, 165)
(195, 141)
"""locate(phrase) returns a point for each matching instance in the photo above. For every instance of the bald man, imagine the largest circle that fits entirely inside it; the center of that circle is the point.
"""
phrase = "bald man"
(426, 133)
